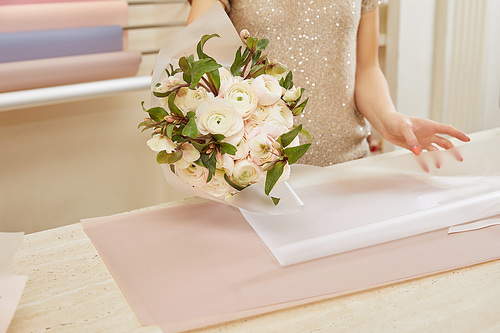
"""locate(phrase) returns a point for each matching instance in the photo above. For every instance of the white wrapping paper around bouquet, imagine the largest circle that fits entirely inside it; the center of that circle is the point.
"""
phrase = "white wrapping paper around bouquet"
(325, 211)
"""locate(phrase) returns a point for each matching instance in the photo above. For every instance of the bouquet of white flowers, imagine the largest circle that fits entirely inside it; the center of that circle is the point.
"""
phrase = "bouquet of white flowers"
(223, 129)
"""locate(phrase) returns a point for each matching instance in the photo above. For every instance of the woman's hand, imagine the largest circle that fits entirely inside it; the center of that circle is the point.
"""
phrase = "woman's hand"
(418, 134)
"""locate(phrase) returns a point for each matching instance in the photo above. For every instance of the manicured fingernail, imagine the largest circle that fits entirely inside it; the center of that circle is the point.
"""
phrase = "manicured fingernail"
(415, 150)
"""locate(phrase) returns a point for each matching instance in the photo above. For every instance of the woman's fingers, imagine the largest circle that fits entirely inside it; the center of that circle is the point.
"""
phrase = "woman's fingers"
(410, 138)
(452, 131)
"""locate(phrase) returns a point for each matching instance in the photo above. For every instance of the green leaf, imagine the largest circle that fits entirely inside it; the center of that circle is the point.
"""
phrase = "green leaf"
(287, 83)
(234, 185)
(170, 130)
(143, 108)
(201, 43)
(190, 60)
(276, 201)
(214, 77)
(199, 146)
(210, 162)
(258, 70)
(252, 43)
(262, 44)
(146, 123)
(190, 129)
(199, 162)
(227, 148)
(201, 67)
(239, 61)
(184, 65)
(286, 138)
(186, 77)
(158, 113)
(300, 108)
(164, 157)
(218, 137)
(306, 134)
(161, 94)
(294, 153)
(273, 175)
(172, 106)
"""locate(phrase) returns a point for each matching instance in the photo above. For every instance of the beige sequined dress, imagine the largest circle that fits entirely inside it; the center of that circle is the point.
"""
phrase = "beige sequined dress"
(317, 40)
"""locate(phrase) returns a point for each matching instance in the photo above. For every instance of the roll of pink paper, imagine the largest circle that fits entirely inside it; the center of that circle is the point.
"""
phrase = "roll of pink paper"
(23, 2)
(62, 15)
(21, 75)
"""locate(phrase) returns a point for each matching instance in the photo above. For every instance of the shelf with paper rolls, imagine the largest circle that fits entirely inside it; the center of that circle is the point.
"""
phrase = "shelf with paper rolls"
(72, 92)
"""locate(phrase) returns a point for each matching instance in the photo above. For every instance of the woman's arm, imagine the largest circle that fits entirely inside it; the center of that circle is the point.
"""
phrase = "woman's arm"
(198, 7)
(374, 102)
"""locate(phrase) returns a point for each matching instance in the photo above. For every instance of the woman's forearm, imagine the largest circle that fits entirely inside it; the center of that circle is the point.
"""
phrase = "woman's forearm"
(372, 96)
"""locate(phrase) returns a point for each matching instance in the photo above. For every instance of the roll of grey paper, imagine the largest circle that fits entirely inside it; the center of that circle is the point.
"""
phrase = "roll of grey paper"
(42, 44)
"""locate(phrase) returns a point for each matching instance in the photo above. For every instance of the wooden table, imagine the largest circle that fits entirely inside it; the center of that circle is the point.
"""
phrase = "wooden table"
(69, 289)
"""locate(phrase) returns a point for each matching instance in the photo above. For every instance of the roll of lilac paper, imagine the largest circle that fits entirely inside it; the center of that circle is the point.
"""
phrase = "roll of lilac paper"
(45, 16)
(40, 44)
(30, 74)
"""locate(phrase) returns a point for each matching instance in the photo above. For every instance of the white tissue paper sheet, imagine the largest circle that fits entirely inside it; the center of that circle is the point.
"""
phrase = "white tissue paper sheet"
(384, 198)
(11, 287)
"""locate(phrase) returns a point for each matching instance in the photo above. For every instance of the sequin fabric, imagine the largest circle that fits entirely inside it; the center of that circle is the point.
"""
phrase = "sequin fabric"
(316, 39)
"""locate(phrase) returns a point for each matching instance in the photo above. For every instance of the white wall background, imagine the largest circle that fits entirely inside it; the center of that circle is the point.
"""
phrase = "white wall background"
(415, 56)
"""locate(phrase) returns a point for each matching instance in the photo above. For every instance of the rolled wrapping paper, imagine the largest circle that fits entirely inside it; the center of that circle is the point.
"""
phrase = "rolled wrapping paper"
(24, 2)
(41, 73)
(40, 44)
(45, 16)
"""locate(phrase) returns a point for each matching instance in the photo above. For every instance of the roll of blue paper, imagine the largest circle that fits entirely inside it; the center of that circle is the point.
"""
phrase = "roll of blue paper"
(41, 44)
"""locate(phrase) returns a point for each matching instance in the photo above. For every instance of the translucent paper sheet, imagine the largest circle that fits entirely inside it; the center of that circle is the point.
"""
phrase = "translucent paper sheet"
(11, 287)
(383, 199)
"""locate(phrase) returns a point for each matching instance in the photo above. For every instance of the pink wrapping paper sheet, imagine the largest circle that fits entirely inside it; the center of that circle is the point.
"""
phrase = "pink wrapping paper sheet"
(41, 73)
(45, 16)
(187, 267)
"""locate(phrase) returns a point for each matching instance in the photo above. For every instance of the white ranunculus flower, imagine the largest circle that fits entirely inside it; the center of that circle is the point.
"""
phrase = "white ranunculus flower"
(268, 89)
(226, 80)
(217, 186)
(246, 172)
(251, 125)
(242, 150)
(188, 99)
(263, 149)
(219, 117)
(243, 98)
(193, 175)
(225, 162)
(260, 113)
(160, 143)
(280, 113)
(292, 94)
(189, 155)
(169, 83)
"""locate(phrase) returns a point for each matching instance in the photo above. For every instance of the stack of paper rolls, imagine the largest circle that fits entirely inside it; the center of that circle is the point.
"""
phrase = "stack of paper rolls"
(47, 43)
